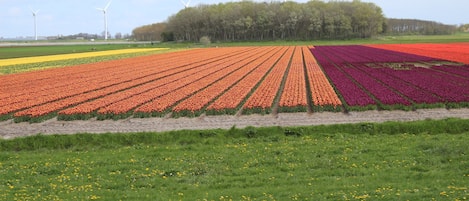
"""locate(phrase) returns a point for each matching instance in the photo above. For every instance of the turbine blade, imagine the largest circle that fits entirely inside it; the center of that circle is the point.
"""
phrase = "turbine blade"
(34, 12)
(108, 4)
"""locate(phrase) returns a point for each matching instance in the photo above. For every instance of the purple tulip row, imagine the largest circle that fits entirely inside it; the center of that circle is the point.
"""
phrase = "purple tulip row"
(357, 71)
(352, 94)
(462, 71)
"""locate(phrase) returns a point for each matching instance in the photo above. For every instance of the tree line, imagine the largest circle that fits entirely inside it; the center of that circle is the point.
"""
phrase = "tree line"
(254, 21)
(413, 26)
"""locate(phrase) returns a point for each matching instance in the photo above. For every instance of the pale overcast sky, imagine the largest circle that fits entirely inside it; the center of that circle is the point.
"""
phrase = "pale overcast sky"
(68, 17)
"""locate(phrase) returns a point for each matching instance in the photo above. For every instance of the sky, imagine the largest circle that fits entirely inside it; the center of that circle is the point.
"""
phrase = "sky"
(67, 17)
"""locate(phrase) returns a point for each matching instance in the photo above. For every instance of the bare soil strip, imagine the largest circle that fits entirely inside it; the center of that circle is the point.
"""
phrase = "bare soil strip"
(9, 129)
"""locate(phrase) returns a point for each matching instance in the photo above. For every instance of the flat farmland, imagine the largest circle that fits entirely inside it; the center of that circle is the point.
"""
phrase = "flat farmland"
(262, 83)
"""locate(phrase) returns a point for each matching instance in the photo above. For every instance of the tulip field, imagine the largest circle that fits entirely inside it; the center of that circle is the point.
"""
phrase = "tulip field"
(242, 81)
(367, 76)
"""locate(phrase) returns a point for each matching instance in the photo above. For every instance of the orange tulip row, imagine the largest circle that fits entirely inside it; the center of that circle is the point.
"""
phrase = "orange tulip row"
(217, 79)
(294, 92)
(205, 96)
(235, 95)
(91, 82)
(64, 83)
(323, 93)
(26, 86)
(219, 71)
(181, 71)
(185, 84)
(264, 95)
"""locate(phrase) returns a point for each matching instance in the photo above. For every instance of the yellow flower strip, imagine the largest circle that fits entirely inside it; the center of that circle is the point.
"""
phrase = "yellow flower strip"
(27, 60)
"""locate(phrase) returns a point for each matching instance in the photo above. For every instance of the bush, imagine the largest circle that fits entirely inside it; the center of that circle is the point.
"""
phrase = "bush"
(205, 40)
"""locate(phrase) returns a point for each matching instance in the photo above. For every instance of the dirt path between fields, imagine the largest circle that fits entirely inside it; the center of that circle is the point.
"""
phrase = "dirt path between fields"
(9, 129)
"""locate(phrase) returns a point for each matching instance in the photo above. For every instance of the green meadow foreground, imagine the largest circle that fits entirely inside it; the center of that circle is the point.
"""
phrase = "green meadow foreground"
(424, 160)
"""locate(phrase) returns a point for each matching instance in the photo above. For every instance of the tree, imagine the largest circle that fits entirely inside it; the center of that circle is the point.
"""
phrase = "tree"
(118, 35)
(249, 21)
(412, 26)
(151, 32)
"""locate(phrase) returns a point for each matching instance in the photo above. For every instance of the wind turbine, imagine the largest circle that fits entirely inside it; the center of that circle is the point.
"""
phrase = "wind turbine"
(104, 10)
(186, 5)
(35, 22)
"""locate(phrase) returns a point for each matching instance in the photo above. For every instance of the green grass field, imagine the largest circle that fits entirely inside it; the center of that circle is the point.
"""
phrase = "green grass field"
(424, 160)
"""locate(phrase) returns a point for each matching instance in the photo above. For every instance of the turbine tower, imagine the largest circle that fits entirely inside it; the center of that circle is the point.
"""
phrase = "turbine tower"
(35, 22)
(186, 5)
(104, 10)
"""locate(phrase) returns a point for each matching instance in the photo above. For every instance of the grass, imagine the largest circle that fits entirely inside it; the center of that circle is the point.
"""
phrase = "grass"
(421, 160)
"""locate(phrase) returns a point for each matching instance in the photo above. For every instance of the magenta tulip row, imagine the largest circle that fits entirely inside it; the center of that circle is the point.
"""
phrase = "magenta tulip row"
(367, 76)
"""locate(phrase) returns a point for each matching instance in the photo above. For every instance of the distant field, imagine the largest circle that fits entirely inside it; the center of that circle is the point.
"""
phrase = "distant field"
(63, 60)
(33, 50)
(47, 58)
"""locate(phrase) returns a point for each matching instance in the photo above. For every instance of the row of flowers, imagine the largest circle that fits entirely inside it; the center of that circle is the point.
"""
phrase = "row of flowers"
(91, 100)
(458, 52)
(231, 100)
(293, 98)
(58, 84)
(263, 98)
(193, 97)
(352, 94)
(177, 80)
(361, 85)
(322, 92)
(91, 84)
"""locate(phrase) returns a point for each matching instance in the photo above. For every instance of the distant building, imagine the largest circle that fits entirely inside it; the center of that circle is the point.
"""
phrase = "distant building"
(52, 37)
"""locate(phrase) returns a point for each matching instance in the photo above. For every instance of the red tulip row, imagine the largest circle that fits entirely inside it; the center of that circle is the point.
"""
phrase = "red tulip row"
(458, 52)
